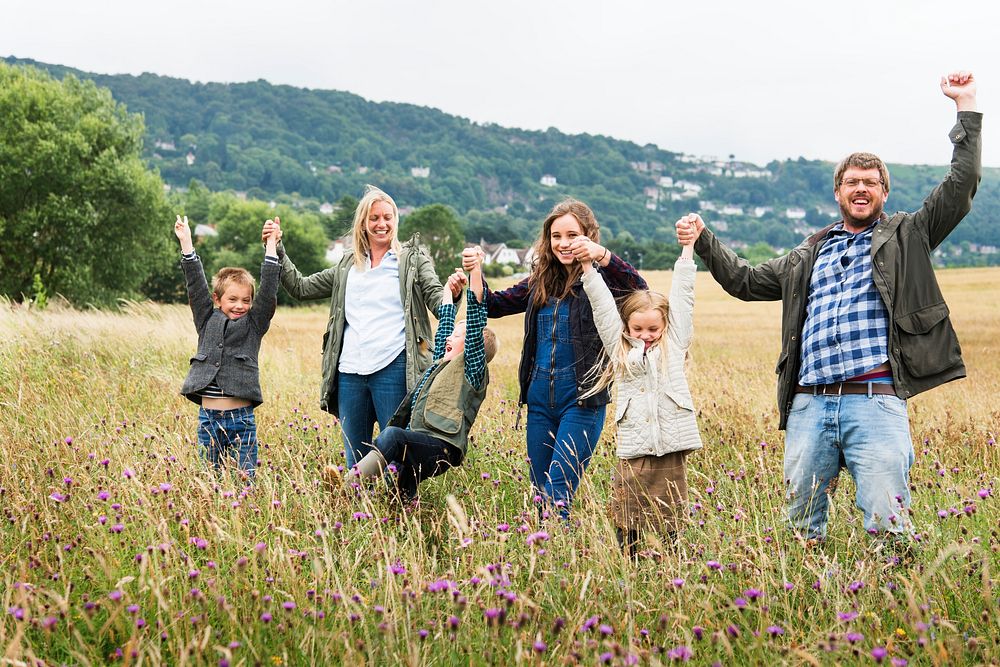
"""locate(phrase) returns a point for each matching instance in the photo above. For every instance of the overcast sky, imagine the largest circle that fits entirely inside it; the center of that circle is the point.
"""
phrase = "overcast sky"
(765, 79)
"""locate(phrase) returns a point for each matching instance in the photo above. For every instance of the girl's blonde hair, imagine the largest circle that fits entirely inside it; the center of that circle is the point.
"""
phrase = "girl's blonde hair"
(613, 366)
(361, 245)
(549, 277)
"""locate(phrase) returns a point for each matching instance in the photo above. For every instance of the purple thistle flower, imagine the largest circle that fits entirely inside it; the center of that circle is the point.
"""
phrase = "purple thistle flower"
(698, 631)
(682, 653)
(16, 612)
(789, 585)
(739, 603)
(540, 536)
(115, 595)
(49, 622)
(58, 497)
(854, 637)
(454, 622)
(899, 662)
(879, 653)
(606, 629)
(266, 617)
(752, 593)
(714, 565)
(166, 486)
(606, 657)
(846, 615)
(288, 605)
(678, 582)
(775, 630)
(140, 623)
(132, 609)
(422, 633)
(260, 547)
(590, 623)
(539, 646)
(397, 568)
(128, 473)
(103, 495)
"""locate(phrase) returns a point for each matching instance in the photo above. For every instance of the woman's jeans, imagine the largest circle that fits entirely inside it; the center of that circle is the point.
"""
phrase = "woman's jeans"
(364, 399)
(868, 435)
(228, 435)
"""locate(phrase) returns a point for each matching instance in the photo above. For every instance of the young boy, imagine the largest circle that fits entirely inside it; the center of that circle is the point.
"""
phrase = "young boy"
(224, 378)
(430, 431)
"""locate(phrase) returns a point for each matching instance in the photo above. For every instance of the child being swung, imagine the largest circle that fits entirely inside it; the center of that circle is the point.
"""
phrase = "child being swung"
(655, 420)
(224, 378)
(430, 430)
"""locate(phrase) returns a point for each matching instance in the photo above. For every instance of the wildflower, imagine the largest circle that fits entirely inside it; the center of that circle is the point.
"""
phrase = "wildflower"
(682, 653)
(678, 582)
(397, 568)
(714, 565)
(590, 623)
(16, 612)
(752, 593)
(422, 633)
(846, 615)
(984, 493)
(494, 615)
(854, 637)
(775, 630)
(539, 646)
(789, 585)
(606, 657)
(606, 629)
(899, 662)
(103, 495)
(540, 536)
(266, 617)
(697, 631)
(140, 623)
(879, 653)
(132, 609)
(58, 497)
(49, 622)
(453, 622)
(739, 603)
(115, 595)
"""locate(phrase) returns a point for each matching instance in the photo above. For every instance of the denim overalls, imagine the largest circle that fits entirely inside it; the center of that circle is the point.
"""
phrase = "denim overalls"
(561, 434)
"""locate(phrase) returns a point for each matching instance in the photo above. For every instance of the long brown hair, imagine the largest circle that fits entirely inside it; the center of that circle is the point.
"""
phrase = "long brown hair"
(550, 277)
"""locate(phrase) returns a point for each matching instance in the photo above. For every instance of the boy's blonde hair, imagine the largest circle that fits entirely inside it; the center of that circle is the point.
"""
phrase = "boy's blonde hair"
(610, 366)
(490, 344)
(360, 227)
(232, 275)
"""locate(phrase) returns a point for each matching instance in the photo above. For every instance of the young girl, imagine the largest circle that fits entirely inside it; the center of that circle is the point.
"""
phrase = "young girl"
(561, 345)
(655, 420)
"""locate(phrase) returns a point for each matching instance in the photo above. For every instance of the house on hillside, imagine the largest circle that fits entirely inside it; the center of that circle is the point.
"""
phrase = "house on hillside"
(548, 180)
(202, 230)
(795, 213)
(420, 172)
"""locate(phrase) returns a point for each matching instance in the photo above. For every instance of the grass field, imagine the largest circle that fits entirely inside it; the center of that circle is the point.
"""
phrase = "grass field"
(118, 546)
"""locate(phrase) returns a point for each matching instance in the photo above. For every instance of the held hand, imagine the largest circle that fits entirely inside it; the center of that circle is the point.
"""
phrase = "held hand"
(271, 227)
(471, 257)
(183, 233)
(456, 283)
(689, 228)
(585, 250)
(961, 87)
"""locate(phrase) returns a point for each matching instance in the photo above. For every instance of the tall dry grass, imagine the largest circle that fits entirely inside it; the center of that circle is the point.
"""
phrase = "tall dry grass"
(118, 545)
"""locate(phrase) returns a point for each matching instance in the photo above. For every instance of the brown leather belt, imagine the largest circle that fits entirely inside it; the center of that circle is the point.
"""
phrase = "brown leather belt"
(842, 388)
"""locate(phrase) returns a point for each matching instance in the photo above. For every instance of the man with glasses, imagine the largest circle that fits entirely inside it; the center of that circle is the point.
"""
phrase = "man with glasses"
(864, 327)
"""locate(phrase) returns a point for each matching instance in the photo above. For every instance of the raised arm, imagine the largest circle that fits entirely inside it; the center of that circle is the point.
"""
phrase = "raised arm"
(266, 301)
(446, 312)
(602, 304)
(428, 283)
(199, 296)
(680, 328)
(950, 201)
(475, 322)
(733, 273)
(319, 285)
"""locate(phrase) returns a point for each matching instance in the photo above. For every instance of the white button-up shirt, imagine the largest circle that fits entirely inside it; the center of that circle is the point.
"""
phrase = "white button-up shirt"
(374, 330)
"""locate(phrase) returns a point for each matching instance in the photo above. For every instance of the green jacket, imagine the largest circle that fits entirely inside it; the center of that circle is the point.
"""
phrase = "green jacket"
(447, 406)
(419, 289)
(923, 348)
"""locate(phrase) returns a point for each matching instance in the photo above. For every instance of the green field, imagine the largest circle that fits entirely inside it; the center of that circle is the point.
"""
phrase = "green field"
(119, 546)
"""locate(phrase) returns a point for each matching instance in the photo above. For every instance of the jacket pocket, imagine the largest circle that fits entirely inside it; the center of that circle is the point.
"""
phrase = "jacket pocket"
(199, 357)
(621, 408)
(782, 362)
(246, 359)
(927, 341)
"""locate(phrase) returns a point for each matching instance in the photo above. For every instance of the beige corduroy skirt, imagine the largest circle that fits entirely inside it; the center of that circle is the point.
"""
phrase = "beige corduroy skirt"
(649, 492)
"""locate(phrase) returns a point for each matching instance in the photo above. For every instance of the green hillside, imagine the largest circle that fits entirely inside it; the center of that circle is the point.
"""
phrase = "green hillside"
(316, 146)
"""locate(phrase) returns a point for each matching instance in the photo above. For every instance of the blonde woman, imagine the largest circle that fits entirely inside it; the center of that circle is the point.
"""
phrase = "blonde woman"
(378, 337)
(647, 344)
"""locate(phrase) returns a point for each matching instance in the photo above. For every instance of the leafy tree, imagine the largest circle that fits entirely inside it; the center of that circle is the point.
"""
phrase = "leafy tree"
(78, 208)
(440, 232)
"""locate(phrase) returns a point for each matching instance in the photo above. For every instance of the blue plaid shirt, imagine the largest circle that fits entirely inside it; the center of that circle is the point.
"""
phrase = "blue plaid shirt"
(846, 329)
(475, 347)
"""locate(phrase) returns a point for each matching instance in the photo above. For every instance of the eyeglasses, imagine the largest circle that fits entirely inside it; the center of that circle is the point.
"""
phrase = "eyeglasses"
(869, 182)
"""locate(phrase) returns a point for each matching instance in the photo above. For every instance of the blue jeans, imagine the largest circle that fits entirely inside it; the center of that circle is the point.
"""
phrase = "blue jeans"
(561, 435)
(871, 436)
(420, 456)
(363, 399)
(228, 434)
